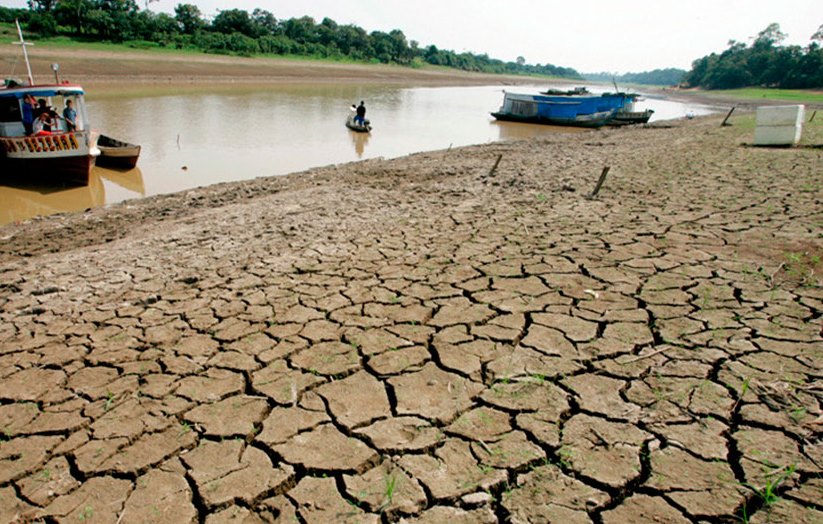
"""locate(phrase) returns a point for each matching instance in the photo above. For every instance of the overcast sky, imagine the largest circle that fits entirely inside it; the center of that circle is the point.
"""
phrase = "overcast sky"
(587, 35)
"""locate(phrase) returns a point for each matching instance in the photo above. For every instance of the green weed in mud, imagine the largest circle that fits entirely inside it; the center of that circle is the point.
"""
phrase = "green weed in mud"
(86, 514)
(768, 493)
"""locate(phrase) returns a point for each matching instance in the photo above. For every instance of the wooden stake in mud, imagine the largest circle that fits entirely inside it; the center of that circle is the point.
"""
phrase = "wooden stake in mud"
(727, 117)
(813, 115)
(494, 168)
(600, 182)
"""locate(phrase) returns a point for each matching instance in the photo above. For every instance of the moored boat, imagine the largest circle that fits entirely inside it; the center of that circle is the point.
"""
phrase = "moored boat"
(582, 111)
(624, 117)
(116, 153)
(628, 115)
(63, 151)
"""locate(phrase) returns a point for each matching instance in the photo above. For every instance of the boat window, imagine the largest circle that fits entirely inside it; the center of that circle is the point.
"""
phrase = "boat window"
(10, 110)
(523, 108)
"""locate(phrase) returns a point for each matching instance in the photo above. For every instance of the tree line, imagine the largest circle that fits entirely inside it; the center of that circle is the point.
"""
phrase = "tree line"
(236, 31)
(657, 77)
(765, 62)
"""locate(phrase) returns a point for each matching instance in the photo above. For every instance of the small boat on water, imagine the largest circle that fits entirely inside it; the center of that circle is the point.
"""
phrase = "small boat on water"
(359, 128)
(563, 110)
(116, 153)
(65, 152)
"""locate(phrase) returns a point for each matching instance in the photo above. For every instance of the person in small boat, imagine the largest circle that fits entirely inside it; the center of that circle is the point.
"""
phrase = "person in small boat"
(43, 124)
(28, 113)
(361, 114)
(70, 116)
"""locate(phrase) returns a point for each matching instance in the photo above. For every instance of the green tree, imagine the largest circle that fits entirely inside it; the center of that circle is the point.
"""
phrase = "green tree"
(772, 35)
(233, 21)
(189, 19)
(41, 6)
(72, 13)
(301, 30)
(112, 19)
(264, 23)
(353, 41)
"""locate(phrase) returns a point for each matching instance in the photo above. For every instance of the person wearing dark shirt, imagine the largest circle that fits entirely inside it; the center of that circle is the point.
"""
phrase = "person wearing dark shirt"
(361, 114)
(28, 113)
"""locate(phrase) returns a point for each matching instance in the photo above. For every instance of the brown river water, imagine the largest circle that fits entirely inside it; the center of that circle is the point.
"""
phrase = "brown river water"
(226, 133)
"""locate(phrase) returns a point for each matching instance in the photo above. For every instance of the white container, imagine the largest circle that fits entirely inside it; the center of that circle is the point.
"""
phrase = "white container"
(776, 135)
(779, 125)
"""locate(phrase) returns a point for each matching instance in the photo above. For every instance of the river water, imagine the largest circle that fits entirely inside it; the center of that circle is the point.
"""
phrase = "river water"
(224, 133)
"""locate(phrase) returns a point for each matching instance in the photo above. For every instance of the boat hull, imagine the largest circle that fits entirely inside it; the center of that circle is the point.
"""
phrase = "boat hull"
(67, 170)
(593, 121)
(625, 118)
(57, 158)
(357, 127)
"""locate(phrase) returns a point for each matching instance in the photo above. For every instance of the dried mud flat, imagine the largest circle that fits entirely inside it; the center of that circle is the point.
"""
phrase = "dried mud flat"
(425, 340)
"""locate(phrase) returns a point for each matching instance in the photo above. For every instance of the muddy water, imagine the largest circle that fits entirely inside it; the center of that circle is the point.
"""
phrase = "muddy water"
(220, 134)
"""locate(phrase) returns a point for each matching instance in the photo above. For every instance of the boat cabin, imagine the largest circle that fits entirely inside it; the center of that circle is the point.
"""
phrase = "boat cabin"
(12, 98)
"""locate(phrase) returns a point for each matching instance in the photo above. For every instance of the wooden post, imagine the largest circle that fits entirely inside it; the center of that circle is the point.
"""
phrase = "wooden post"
(727, 117)
(813, 114)
(600, 182)
(494, 168)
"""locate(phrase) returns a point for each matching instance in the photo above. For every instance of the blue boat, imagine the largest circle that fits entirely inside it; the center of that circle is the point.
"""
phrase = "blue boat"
(626, 115)
(580, 111)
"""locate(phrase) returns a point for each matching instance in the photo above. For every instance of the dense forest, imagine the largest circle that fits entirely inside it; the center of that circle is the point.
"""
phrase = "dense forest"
(765, 62)
(235, 31)
(658, 77)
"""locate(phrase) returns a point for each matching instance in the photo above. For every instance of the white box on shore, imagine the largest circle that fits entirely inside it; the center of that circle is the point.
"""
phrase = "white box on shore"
(779, 125)
(776, 135)
(780, 115)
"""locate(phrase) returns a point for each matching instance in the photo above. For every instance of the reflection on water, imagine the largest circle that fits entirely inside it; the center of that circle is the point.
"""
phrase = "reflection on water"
(201, 137)
(359, 140)
(26, 201)
(129, 179)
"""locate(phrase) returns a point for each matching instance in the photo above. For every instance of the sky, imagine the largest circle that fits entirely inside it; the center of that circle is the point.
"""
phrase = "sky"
(587, 35)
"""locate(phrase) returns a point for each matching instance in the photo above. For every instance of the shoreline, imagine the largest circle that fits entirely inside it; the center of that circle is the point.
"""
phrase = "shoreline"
(186, 202)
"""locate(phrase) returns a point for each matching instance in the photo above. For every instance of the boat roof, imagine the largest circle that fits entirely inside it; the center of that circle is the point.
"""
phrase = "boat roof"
(40, 90)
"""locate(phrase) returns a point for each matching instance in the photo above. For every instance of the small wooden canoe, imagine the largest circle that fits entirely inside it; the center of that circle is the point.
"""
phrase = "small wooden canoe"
(354, 126)
(117, 153)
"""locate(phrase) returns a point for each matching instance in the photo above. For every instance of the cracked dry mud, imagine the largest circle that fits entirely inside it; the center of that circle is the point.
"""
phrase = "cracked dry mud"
(421, 340)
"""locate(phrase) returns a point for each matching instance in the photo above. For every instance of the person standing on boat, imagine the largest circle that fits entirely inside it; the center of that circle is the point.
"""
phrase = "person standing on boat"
(70, 116)
(28, 113)
(361, 114)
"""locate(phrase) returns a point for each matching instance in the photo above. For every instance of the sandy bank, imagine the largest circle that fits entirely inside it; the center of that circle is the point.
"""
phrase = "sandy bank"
(141, 67)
